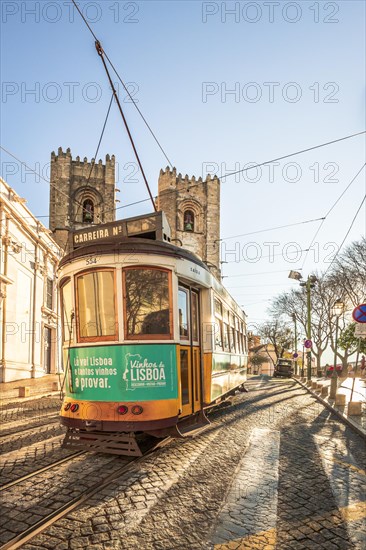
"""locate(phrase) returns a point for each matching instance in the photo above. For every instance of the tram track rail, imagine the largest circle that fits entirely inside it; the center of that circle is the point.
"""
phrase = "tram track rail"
(63, 510)
(23, 431)
(40, 470)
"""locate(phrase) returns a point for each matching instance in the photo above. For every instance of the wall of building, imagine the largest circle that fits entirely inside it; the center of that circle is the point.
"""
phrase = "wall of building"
(28, 297)
(177, 195)
(72, 183)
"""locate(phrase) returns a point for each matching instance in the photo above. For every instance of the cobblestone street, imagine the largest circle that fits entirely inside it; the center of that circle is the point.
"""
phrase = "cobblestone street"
(275, 469)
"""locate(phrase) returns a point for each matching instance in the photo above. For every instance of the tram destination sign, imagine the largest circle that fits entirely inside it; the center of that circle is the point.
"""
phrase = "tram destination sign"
(153, 226)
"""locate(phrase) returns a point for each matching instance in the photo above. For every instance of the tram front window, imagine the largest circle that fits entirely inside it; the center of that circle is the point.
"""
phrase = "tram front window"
(96, 306)
(147, 303)
(67, 311)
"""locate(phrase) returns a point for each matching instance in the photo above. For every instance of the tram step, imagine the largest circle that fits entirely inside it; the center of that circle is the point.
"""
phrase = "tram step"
(193, 426)
(113, 443)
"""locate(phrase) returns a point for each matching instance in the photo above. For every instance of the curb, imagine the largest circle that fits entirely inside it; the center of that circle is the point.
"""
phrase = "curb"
(351, 423)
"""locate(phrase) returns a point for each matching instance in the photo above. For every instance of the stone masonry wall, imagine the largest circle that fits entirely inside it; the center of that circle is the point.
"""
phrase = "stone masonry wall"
(178, 194)
(70, 187)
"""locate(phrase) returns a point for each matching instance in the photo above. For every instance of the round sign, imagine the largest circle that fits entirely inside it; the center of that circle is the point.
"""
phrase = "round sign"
(308, 344)
(359, 313)
(295, 355)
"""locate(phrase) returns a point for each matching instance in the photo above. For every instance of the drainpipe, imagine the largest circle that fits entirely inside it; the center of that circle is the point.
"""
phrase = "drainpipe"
(34, 317)
(3, 293)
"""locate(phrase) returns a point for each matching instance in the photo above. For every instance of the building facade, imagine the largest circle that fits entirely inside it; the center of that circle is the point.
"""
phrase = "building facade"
(82, 193)
(28, 297)
(192, 208)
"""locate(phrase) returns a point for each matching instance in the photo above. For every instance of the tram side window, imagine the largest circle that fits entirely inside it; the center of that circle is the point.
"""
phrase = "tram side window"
(67, 311)
(147, 303)
(183, 313)
(226, 326)
(96, 306)
(232, 339)
(218, 325)
(195, 317)
(232, 334)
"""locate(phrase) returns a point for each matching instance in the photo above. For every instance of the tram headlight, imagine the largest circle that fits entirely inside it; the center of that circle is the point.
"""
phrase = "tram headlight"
(136, 409)
(122, 409)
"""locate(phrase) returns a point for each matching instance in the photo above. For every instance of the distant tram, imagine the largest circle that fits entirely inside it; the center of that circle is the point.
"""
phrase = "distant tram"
(150, 337)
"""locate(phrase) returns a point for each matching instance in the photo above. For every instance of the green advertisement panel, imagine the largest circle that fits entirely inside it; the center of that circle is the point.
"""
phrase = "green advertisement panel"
(123, 373)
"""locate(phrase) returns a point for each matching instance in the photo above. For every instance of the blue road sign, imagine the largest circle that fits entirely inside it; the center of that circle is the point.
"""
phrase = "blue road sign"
(308, 344)
(359, 313)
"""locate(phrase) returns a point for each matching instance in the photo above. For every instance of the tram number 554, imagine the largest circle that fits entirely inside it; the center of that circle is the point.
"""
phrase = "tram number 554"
(92, 260)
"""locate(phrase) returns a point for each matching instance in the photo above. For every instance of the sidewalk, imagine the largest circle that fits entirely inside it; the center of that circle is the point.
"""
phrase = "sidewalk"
(357, 422)
(36, 387)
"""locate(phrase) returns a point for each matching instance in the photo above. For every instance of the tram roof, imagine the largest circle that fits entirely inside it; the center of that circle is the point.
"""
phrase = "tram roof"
(133, 245)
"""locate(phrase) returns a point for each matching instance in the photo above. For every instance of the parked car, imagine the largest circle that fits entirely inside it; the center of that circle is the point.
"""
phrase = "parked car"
(283, 368)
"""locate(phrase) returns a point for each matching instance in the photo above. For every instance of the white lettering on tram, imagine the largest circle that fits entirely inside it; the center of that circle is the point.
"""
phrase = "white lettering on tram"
(91, 236)
(141, 371)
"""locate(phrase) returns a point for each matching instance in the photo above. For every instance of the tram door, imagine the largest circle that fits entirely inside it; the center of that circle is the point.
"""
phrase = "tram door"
(190, 353)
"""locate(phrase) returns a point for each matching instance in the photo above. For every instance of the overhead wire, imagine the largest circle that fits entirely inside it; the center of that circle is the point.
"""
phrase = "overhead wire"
(101, 54)
(329, 211)
(93, 163)
(292, 154)
(175, 191)
(269, 229)
(348, 231)
(124, 86)
(39, 175)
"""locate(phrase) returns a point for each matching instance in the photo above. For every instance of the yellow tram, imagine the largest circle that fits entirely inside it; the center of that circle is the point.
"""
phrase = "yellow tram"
(150, 337)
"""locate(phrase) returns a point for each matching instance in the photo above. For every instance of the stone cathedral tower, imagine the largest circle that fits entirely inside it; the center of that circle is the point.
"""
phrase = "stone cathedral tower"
(192, 208)
(75, 202)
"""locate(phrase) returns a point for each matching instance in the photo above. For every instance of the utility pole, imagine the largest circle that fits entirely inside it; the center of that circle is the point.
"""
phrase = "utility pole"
(308, 301)
(310, 283)
(337, 310)
(295, 346)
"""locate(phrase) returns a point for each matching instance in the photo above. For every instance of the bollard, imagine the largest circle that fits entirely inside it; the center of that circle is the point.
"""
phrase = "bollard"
(325, 391)
(24, 391)
(340, 399)
(319, 387)
(55, 386)
(354, 408)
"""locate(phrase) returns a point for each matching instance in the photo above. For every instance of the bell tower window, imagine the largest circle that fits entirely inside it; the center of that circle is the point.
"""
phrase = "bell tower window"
(88, 211)
(188, 220)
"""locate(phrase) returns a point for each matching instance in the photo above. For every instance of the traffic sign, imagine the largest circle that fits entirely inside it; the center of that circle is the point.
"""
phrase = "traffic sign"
(359, 313)
(360, 330)
(295, 355)
(308, 344)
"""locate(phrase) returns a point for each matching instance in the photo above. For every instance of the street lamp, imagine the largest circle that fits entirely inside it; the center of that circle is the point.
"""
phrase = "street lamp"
(337, 310)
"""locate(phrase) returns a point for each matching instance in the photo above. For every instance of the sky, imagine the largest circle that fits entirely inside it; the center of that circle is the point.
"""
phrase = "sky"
(223, 85)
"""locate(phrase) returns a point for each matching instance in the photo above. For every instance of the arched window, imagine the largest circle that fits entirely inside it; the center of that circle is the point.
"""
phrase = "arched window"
(188, 220)
(88, 211)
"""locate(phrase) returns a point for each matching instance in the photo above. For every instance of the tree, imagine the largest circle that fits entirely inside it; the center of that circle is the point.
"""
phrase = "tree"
(348, 341)
(256, 360)
(278, 334)
(293, 306)
(348, 273)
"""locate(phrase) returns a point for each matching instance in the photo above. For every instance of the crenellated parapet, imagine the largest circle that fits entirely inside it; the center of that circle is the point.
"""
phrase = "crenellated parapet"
(82, 191)
(192, 206)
